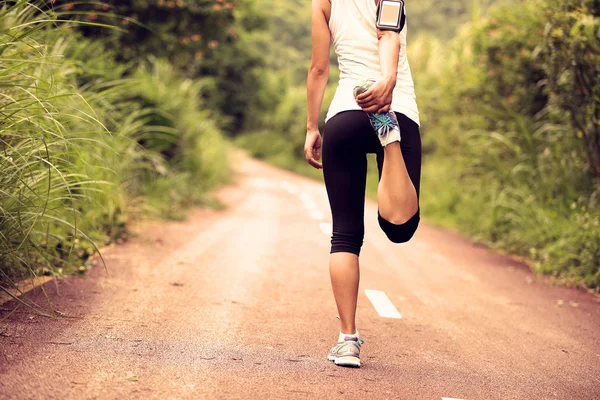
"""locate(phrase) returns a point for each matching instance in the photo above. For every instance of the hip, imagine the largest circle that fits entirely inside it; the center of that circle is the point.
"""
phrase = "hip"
(403, 101)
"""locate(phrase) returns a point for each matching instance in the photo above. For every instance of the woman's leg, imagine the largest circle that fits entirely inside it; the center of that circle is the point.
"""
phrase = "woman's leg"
(400, 175)
(345, 171)
(345, 278)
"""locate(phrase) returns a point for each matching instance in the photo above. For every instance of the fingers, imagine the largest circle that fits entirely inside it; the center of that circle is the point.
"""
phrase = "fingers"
(384, 109)
(374, 105)
(308, 154)
(368, 101)
(314, 163)
(368, 95)
(372, 109)
(374, 101)
(363, 103)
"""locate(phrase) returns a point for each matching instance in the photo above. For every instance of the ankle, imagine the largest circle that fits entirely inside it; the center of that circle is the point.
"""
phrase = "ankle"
(348, 330)
(392, 147)
(342, 336)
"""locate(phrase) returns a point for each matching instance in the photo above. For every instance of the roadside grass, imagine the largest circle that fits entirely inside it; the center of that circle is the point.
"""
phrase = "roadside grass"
(86, 146)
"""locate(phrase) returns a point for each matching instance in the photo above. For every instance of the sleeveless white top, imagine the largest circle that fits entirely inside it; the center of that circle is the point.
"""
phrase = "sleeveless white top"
(354, 36)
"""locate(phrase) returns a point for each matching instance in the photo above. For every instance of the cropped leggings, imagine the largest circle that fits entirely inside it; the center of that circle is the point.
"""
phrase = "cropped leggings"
(347, 139)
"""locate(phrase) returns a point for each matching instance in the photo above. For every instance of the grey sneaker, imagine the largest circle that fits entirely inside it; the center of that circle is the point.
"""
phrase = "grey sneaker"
(346, 353)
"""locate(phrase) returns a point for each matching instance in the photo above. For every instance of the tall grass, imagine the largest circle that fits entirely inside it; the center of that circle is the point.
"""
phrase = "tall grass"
(46, 130)
(186, 136)
(85, 145)
(503, 161)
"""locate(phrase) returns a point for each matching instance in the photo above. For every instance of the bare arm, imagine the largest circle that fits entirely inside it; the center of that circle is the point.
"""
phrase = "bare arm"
(389, 52)
(379, 97)
(316, 81)
(318, 72)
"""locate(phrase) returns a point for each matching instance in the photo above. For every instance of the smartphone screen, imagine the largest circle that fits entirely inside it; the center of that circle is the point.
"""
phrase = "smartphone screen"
(390, 13)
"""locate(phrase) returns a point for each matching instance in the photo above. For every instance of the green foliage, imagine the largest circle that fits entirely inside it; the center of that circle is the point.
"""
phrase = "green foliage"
(571, 57)
(178, 30)
(84, 147)
(193, 150)
(508, 162)
(47, 130)
(441, 18)
(239, 88)
(208, 39)
(287, 42)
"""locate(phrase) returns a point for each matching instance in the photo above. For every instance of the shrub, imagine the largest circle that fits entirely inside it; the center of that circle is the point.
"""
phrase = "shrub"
(512, 163)
(84, 147)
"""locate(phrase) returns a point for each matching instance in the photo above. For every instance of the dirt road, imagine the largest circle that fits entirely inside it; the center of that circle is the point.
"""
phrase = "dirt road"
(236, 304)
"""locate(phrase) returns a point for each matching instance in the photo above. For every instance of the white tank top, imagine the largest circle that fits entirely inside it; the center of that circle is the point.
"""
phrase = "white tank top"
(354, 36)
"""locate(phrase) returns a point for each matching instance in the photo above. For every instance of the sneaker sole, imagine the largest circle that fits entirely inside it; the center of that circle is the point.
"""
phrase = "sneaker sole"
(347, 361)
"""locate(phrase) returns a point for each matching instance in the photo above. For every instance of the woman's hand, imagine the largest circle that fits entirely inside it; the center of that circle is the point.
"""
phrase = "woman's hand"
(312, 148)
(378, 98)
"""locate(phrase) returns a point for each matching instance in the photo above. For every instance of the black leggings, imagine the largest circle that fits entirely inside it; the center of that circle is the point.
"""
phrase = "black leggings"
(347, 139)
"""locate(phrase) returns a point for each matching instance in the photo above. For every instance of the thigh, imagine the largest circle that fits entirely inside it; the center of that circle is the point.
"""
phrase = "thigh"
(411, 150)
(345, 170)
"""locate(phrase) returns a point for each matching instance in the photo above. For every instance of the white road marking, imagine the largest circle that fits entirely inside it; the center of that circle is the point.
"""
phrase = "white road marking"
(382, 304)
(326, 228)
(316, 214)
(310, 205)
(450, 398)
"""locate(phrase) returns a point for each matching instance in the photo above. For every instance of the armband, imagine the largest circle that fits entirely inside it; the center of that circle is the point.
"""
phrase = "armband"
(390, 15)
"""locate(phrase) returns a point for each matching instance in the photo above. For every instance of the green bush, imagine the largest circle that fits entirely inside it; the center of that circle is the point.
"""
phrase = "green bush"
(509, 160)
(54, 152)
(188, 139)
(200, 39)
(84, 147)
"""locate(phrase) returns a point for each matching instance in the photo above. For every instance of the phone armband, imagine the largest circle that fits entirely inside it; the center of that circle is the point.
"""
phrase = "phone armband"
(390, 15)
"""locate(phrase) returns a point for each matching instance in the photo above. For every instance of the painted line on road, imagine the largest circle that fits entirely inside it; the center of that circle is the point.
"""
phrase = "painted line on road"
(382, 304)
(326, 228)
(316, 214)
(288, 187)
(450, 398)
(310, 205)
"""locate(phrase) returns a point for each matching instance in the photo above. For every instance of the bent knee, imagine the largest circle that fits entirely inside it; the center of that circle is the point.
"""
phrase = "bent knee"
(400, 216)
(400, 232)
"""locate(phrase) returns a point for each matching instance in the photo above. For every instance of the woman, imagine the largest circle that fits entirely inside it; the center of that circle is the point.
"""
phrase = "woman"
(363, 52)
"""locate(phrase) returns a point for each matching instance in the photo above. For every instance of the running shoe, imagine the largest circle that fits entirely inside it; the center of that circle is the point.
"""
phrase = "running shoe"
(347, 352)
(385, 124)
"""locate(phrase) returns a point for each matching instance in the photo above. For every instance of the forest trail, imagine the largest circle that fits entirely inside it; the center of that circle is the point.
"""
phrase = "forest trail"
(236, 304)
